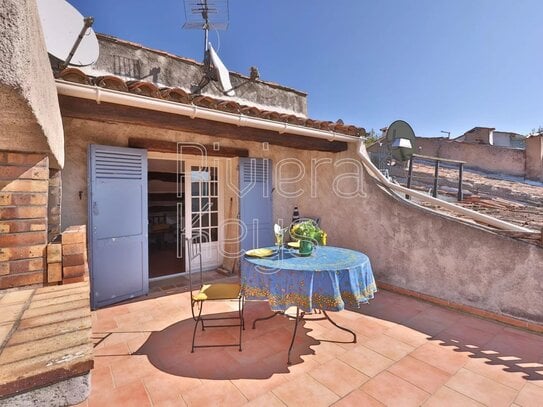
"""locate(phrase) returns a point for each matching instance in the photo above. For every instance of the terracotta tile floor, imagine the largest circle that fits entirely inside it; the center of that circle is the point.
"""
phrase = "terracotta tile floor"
(408, 353)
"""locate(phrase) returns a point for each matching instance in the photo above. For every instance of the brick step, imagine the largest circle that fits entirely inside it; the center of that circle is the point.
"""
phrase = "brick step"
(18, 280)
(58, 316)
(52, 338)
(49, 330)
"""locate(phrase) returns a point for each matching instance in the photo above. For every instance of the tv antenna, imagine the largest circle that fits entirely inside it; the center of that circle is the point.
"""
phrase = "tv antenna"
(68, 35)
(206, 15)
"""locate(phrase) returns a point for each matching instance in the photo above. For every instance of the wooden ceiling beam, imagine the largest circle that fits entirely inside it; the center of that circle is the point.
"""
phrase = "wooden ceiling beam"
(162, 146)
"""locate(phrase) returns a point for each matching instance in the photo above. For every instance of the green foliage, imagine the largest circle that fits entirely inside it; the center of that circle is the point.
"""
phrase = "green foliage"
(538, 130)
(308, 230)
(371, 138)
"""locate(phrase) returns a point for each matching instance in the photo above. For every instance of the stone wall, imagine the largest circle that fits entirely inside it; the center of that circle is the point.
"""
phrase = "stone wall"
(409, 246)
(24, 189)
(478, 156)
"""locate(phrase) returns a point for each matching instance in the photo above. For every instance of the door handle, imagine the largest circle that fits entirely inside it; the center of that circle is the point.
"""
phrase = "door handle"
(95, 208)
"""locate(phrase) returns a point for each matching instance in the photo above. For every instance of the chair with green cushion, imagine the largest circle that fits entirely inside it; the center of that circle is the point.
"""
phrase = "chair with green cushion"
(201, 292)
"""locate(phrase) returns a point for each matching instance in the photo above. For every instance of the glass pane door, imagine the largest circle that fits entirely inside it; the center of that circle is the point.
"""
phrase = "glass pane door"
(205, 203)
(203, 211)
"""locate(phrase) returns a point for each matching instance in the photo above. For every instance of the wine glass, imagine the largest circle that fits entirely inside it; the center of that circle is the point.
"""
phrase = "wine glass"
(279, 234)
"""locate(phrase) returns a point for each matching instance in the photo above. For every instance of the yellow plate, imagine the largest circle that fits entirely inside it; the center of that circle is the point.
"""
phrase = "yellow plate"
(295, 245)
(259, 252)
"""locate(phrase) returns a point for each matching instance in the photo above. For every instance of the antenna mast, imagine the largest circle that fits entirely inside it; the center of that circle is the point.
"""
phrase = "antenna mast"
(205, 15)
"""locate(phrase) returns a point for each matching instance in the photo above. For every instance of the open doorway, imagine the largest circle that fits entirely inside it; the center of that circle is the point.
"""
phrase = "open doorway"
(185, 199)
(166, 200)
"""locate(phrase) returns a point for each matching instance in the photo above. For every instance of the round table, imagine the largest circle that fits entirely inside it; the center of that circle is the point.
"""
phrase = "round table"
(325, 281)
(328, 279)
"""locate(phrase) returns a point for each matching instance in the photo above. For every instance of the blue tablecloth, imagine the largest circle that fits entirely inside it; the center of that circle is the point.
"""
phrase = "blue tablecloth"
(328, 279)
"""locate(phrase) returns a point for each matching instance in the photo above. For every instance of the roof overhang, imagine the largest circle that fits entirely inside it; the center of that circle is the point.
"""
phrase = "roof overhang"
(101, 104)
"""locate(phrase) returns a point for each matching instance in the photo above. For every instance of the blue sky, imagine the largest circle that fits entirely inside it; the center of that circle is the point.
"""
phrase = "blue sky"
(438, 64)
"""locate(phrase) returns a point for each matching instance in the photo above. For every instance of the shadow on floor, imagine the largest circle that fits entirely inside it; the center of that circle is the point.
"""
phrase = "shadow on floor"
(264, 349)
(490, 343)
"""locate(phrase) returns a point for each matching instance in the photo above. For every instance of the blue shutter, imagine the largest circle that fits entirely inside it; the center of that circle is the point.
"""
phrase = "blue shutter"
(118, 252)
(256, 211)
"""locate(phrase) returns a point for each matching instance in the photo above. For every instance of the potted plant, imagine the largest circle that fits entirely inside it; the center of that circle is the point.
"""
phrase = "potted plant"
(309, 234)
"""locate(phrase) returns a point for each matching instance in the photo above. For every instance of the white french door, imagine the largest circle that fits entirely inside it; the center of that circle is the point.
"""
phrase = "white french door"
(204, 208)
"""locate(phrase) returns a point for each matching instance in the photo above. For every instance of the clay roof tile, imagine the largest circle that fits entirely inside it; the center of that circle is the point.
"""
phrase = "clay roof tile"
(293, 119)
(229, 106)
(175, 95)
(205, 101)
(111, 82)
(355, 131)
(270, 115)
(339, 127)
(313, 123)
(181, 96)
(144, 88)
(250, 111)
(327, 125)
(74, 75)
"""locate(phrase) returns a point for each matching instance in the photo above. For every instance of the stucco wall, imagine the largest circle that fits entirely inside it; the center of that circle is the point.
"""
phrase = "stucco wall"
(29, 112)
(534, 158)
(432, 254)
(408, 246)
(133, 61)
(479, 156)
(81, 133)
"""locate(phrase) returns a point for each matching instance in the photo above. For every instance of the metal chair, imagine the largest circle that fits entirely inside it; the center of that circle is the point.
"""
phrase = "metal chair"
(200, 293)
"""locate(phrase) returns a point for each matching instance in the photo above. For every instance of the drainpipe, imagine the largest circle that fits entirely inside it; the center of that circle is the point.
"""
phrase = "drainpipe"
(99, 95)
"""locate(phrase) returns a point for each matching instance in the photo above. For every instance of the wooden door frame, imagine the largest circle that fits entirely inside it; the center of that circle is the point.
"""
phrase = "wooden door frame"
(196, 161)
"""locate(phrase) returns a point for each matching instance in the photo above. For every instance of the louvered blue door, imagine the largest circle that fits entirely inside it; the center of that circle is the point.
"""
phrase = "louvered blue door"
(117, 224)
(255, 203)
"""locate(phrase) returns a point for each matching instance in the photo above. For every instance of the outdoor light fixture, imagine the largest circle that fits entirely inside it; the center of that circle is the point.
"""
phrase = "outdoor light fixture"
(401, 143)
(404, 148)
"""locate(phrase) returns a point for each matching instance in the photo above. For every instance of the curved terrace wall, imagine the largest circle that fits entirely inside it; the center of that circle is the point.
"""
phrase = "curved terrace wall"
(415, 249)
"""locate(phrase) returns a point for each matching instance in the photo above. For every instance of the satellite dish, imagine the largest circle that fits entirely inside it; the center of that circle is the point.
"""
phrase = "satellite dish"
(67, 33)
(222, 73)
(401, 138)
